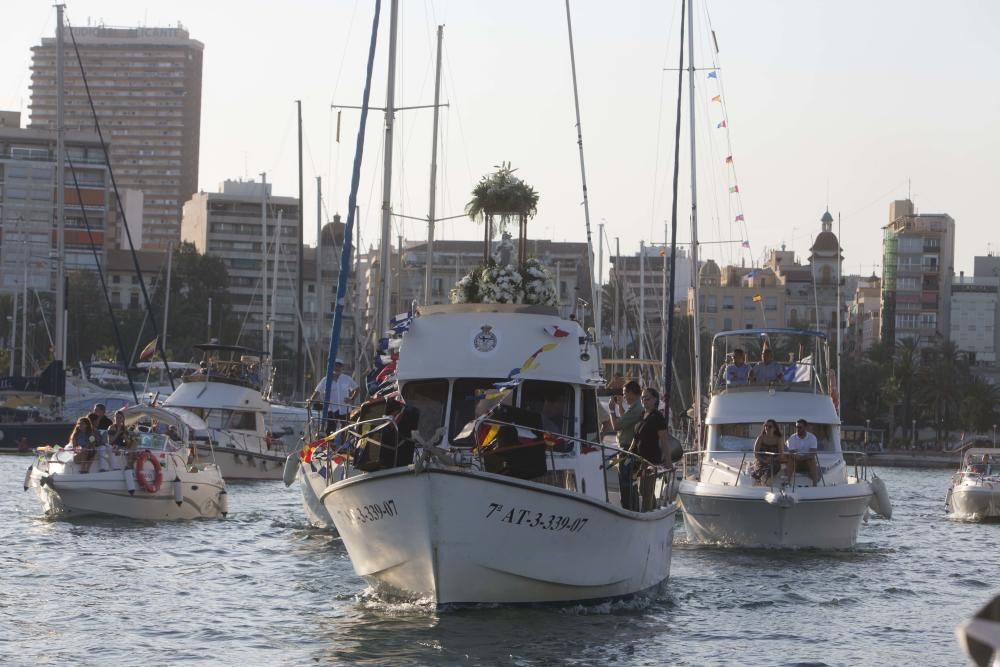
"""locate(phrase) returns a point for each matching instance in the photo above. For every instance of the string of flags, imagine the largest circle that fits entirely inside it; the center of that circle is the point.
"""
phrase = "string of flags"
(734, 188)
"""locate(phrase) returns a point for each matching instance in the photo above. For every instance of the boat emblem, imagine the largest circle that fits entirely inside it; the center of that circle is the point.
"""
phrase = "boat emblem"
(485, 340)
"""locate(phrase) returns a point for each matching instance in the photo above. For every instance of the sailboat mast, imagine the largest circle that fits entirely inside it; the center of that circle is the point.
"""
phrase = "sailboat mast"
(263, 261)
(696, 333)
(60, 351)
(299, 330)
(385, 244)
(429, 260)
(583, 176)
(319, 276)
(166, 292)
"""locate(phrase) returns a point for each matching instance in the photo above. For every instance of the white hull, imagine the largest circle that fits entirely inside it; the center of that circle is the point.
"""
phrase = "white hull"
(244, 465)
(312, 485)
(74, 494)
(464, 537)
(819, 517)
(975, 502)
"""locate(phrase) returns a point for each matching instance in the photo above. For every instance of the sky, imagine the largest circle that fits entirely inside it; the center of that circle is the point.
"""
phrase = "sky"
(847, 105)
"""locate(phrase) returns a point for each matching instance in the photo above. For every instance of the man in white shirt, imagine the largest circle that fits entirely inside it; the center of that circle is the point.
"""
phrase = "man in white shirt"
(801, 449)
(343, 391)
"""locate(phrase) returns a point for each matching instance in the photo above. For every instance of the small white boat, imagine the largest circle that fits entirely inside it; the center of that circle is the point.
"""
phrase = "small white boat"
(315, 467)
(975, 489)
(722, 500)
(427, 513)
(224, 405)
(157, 479)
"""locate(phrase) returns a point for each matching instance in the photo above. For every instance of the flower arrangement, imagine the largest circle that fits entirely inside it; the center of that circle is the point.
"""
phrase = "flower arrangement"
(492, 283)
(504, 194)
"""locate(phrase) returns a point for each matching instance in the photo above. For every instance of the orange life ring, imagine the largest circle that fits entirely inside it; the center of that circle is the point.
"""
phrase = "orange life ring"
(140, 460)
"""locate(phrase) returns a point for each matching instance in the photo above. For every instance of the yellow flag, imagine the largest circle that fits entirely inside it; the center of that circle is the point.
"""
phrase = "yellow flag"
(757, 298)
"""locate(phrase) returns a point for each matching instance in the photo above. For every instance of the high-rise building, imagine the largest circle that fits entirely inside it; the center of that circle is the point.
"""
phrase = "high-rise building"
(28, 241)
(918, 260)
(146, 86)
(229, 225)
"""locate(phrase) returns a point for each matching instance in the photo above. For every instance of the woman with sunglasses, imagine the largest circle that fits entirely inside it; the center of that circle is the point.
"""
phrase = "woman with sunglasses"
(768, 452)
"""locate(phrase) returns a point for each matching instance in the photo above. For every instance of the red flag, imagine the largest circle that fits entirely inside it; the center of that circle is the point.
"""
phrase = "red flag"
(148, 351)
(729, 159)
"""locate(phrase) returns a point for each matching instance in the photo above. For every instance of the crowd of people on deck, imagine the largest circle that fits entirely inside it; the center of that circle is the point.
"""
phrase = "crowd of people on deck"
(95, 437)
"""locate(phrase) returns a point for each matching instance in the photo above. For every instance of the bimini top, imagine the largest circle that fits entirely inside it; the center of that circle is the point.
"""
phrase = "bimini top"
(776, 331)
(506, 342)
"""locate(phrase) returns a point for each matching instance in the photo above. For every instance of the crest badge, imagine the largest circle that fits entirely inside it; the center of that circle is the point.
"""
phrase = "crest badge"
(485, 340)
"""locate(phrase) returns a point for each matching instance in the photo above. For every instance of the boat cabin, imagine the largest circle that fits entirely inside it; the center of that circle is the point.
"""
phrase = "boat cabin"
(231, 364)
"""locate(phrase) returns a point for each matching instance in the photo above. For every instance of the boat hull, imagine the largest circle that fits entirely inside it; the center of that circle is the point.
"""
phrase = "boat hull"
(464, 537)
(312, 485)
(75, 494)
(813, 517)
(975, 502)
(240, 464)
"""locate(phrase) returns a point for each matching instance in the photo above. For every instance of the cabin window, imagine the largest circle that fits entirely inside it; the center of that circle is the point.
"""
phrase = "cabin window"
(430, 397)
(590, 419)
(554, 402)
(242, 420)
(465, 406)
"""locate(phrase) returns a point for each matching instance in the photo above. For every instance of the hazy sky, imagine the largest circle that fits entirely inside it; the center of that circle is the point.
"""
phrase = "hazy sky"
(843, 103)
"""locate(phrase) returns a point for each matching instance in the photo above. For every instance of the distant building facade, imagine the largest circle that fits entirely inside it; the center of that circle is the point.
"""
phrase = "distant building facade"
(28, 204)
(918, 259)
(228, 225)
(146, 85)
(975, 312)
(864, 319)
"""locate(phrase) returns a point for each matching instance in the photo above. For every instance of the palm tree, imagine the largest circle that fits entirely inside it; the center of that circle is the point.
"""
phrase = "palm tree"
(904, 372)
(504, 196)
(978, 407)
(942, 378)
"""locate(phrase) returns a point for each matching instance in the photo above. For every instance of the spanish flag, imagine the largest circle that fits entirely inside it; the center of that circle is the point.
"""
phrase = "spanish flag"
(757, 298)
(149, 350)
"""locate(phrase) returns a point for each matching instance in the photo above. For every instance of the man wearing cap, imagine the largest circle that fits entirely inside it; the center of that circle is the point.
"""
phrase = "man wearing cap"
(343, 391)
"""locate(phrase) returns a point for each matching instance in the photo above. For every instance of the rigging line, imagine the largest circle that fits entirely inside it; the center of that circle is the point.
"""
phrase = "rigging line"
(281, 144)
(458, 113)
(709, 167)
(104, 285)
(121, 208)
(343, 56)
(879, 199)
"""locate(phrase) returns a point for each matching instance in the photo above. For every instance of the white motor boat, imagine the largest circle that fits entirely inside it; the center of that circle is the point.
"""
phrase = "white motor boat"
(493, 513)
(315, 466)
(975, 489)
(231, 420)
(722, 500)
(157, 479)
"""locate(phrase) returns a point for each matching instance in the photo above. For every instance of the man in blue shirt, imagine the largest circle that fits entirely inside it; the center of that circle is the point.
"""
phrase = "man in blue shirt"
(737, 372)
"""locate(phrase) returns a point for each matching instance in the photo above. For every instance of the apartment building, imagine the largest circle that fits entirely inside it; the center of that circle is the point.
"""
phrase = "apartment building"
(146, 85)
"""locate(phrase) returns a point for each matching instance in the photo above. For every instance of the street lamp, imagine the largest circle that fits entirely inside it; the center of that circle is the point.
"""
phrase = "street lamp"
(913, 432)
(994, 436)
(868, 431)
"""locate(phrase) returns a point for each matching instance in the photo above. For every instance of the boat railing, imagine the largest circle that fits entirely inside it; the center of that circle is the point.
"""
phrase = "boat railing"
(693, 462)
(639, 474)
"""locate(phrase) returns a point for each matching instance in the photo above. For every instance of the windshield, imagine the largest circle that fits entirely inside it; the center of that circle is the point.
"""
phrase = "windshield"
(430, 397)
(741, 437)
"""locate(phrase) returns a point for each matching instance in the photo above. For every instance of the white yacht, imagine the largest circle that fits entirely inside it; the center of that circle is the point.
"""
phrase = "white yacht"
(159, 479)
(722, 500)
(232, 421)
(481, 480)
(975, 489)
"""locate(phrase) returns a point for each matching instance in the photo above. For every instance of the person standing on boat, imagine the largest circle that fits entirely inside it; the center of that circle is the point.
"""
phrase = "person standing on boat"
(650, 442)
(343, 391)
(737, 372)
(802, 447)
(626, 411)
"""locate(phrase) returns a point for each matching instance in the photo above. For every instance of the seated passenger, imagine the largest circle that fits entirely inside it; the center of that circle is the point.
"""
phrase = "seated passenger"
(737, 372)
(768, 452)
(801, 448)
(767, 370)
(83, 439)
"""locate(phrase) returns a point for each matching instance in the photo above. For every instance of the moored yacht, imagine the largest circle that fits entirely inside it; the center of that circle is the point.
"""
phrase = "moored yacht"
(157, 478)
(231, 420)
(727, 499)
(480, 480)
(974, 494)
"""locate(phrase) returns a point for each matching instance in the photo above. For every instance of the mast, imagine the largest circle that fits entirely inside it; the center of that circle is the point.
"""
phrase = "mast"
(319, 276)
(641, 348)
(664, 324)
(274, 286)
(599, 297)
(263, 261)
(385, 243)
(299, 331)
(617, 341)
(166, 293)
(60, 351)
(24, 305)
(840, 331)
(429, 259)
(696, 333)
(583, 176)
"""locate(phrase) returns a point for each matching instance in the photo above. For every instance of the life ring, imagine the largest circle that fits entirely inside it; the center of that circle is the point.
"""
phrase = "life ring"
(140, 477)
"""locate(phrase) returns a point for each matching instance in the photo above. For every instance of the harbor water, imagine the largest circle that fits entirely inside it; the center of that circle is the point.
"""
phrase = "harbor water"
(261, 587)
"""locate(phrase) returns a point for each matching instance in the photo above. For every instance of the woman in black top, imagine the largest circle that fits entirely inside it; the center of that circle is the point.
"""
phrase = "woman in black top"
(650, 439)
